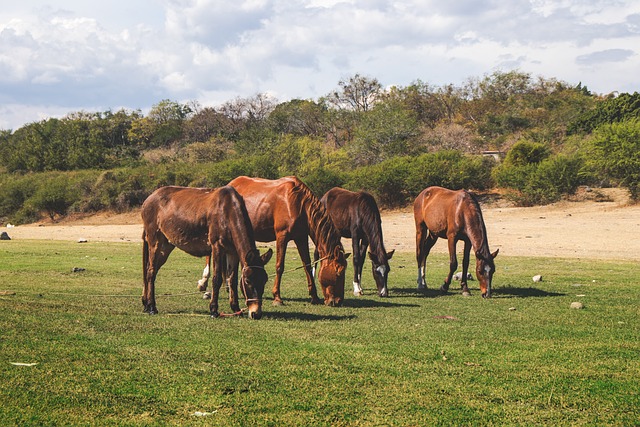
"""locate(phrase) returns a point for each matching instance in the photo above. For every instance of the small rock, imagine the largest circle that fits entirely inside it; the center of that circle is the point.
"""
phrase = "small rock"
(77, 269)
(537, 278)
(577, 305)
(206, 295)
(4, 236)
(512, 309)
(82, 240)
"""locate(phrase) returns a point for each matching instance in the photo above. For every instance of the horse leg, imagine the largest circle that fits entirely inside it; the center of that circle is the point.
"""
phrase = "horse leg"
(302, 244)
(218, 261)
(206, 273)
(232, 282)
(465, 268)
(281, 250)
(156, 250)
(421, 257)
(453, 263)
(358, 261)
(316, 257)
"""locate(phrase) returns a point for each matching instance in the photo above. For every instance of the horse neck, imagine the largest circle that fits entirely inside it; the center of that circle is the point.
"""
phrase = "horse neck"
(372, 228)
(242, 234)
(321, 229)
(477, 232)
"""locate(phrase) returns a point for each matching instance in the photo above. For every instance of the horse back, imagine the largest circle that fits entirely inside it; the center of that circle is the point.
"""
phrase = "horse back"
(187, 217)
(442, 210)
(350, 210)
(272, 205)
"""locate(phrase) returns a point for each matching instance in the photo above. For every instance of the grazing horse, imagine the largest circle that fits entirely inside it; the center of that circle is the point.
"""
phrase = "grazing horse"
(452, 215)
(203, 222)
(285, 209)
(356, 216)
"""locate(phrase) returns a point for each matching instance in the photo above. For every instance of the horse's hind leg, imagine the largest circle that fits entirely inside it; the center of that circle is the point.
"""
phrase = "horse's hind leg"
(156, 251)
(424, 242)
(218, 261)
(206, 273)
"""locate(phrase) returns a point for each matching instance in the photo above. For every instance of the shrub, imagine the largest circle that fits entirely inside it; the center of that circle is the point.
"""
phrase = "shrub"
(614, 152)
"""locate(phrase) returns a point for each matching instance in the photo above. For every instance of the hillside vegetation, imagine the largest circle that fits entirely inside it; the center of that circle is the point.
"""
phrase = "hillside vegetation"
(549, 137)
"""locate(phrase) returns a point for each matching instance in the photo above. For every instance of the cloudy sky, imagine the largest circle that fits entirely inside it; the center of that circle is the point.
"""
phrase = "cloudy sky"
(61, 56)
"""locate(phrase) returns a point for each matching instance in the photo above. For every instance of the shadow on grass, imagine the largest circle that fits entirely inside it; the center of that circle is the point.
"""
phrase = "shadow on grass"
(363, 302)
(414, 292)
(523, 293)
(311, 317)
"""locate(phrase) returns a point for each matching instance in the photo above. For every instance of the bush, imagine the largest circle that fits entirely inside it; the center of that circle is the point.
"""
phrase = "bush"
(386, 181)
(541, 183)
(322, 180)
(614, 152)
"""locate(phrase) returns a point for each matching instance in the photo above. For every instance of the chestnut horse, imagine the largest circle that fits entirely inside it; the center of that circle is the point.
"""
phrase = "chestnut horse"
(203, 222)
(453, 215)
(356, 216)
(285, 209)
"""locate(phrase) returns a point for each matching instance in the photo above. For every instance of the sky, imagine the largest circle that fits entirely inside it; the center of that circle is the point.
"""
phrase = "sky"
(64, 56)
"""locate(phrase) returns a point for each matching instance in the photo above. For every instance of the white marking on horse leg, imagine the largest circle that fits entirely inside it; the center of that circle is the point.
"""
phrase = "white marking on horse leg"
(357, 290)
(421, 282)
(384, 292)
(202, 283)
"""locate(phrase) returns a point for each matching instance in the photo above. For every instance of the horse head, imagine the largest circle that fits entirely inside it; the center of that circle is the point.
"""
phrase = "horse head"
(331, 277)
(252, 282)
(485, 267)
(381, 270)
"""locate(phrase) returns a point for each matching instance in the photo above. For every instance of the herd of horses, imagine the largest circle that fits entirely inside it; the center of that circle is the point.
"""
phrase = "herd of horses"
(223, 225)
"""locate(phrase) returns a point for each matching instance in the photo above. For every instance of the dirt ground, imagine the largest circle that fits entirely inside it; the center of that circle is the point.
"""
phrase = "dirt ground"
(583, 228)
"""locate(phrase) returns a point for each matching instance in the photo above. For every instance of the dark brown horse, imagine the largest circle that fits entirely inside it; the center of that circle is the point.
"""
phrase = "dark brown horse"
(453, 215)
(203, 222)
(356, 216)
(285, 209)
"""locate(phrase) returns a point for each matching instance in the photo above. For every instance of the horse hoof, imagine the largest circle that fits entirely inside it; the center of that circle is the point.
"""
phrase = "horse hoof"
(206, 295)
(215, 314)
(466, 294)
(277, 302)
(202, 288)
(358, 293)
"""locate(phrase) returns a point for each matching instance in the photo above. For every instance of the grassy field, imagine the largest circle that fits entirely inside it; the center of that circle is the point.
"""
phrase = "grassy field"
(522, 358)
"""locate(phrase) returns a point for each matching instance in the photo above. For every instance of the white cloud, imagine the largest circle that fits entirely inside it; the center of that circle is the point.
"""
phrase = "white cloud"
(76, 55)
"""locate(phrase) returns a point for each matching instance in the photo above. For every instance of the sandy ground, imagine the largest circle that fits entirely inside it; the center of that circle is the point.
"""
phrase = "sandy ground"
(578, 229)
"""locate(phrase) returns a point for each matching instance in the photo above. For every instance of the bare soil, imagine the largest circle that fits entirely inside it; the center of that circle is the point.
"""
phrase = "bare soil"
(598, 224)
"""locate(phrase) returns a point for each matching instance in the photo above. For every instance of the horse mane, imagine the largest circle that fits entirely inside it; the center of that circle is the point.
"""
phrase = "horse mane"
(482, 248)
(371, 225)
(322, 231)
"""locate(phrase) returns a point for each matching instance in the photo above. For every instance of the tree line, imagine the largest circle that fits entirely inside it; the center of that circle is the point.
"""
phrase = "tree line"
(393, 142)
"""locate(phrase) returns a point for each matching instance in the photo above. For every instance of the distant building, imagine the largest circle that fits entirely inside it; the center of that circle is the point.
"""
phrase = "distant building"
(497, 155)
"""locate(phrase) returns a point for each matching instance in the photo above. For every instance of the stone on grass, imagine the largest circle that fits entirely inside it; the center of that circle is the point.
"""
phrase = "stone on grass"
(577, 305)
(537, 278)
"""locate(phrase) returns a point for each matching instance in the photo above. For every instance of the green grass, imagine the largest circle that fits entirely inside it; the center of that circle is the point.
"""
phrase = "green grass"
(521, 358)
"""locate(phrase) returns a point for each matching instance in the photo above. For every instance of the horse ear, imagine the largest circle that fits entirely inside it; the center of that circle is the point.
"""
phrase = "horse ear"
(346, 255)
(266, 256)
(390, 254)
(495, 254)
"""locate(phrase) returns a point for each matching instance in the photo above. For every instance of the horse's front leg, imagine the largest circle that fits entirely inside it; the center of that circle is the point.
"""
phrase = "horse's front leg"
(217, 264)
(453, 263)
(206, 273)
(465, 268)
(302, 244)
(358, 261)
(232, 281)
(281, 251)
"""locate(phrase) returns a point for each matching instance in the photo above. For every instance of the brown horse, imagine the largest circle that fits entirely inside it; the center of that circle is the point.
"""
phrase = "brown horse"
(453, 215)
(356, 216)
(203, 222)
(285, 209)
